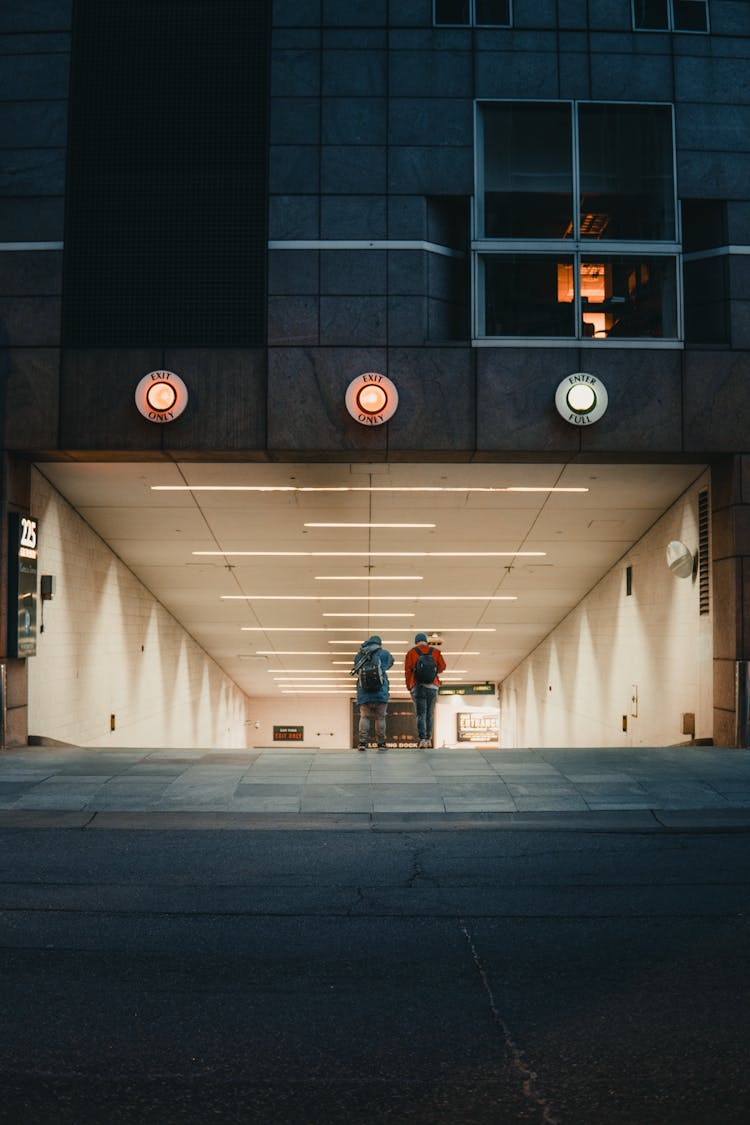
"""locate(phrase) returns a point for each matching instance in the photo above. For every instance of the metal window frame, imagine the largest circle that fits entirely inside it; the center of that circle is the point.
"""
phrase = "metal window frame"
(473, 17)
(481, 246)
(671, 21)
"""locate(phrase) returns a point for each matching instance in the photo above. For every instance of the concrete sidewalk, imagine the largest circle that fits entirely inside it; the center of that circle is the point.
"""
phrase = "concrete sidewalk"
(697, 784)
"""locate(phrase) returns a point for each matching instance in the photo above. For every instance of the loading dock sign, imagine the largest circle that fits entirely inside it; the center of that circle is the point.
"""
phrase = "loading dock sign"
(23, 552)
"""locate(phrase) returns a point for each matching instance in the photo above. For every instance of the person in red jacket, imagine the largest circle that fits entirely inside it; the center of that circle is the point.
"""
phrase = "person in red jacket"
(422, 667)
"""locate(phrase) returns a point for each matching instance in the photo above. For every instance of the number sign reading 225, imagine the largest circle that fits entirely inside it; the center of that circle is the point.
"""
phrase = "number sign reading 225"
(27, 539)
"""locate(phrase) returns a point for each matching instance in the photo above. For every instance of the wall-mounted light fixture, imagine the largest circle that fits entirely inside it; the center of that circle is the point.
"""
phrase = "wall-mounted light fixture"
(47, 584)
(680, 559)
(581, 399)
(371, 399)
(161, 396)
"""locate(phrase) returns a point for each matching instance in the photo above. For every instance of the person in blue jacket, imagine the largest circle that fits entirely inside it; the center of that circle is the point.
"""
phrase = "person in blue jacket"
(373, 702)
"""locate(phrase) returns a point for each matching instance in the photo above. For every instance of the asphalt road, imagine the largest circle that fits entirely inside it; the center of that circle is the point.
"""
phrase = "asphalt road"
(590, 978)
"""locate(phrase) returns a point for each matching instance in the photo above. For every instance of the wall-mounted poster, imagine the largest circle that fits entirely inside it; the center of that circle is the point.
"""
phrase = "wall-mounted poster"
(480, 726)
(22, 581)
(288, 734)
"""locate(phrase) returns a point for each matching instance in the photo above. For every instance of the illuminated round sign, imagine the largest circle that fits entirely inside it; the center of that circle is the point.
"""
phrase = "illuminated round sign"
(161, 396)
(371, 399)
(581, 399)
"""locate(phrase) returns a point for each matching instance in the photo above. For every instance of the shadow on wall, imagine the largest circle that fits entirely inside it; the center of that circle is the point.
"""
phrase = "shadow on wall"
(110, 649)
(638, 660)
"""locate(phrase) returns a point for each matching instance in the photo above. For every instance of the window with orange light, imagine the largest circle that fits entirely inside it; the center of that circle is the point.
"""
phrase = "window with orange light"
(562, 186)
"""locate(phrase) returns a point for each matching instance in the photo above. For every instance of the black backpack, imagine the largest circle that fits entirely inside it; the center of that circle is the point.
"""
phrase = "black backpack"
(425, 670)
(371, 673)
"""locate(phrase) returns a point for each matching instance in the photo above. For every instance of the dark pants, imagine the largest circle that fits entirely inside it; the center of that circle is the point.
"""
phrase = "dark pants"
(374, 712)
(424, 704)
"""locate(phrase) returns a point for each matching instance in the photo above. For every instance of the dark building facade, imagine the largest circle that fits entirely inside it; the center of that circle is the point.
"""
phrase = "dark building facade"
(474, 198)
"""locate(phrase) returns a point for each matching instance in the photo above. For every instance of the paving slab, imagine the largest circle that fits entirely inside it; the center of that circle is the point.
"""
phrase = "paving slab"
(287, 782)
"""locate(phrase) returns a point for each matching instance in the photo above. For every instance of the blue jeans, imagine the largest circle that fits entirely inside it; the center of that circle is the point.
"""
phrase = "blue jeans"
(372, 712)
(424, 698)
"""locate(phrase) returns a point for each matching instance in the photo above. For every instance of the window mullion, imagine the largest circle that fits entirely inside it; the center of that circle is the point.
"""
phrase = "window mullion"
(574, 134)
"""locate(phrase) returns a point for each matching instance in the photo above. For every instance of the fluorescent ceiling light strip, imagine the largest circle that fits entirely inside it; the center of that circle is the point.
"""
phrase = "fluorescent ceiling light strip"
(320, 691)
(368, 598)
(329, 673)
(373, 554)
(402, 525)
(352, 616)
(384, 642)
(347, 663)
(369, 578)
(283, 629)
(295, 652)
(358, 629)
(354, 651)
(339, 628)
(354, 488)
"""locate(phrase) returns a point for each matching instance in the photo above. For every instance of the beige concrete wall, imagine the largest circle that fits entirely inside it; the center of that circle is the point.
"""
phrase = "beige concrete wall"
(576, 686)
(108, 648)
(326, 721)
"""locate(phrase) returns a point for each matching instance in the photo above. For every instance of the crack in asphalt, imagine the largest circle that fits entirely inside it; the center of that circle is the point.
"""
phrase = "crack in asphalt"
(528, 1077)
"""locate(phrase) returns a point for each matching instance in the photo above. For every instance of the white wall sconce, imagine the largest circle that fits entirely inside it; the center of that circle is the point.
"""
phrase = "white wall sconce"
(680, 559)
(371, 399)
(581, 399)
(161, 396)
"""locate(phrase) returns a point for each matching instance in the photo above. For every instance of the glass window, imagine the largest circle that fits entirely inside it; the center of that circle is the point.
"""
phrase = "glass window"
(528, 171)
(492, 13)
(563, 188)
(452, 12)
(670, 15)
(524, 295)
(465, 13)
(627, 175)
(628, 297)
(690, 15)
(651, 14)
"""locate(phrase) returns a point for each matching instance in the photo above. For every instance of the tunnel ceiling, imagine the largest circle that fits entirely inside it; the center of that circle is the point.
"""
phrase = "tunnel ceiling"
(526, 557)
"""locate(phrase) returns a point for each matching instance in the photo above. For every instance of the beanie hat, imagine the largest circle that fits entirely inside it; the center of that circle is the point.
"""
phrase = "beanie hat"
(420, 637)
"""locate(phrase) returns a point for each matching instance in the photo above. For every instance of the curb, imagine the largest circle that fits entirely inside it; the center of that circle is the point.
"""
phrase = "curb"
(656, 820)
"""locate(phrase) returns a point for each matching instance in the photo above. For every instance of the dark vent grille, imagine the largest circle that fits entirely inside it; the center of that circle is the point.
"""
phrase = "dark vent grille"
(704, 556)
(166, 198)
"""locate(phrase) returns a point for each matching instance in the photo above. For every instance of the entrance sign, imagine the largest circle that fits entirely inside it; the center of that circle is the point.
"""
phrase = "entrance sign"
(23, 551)
(478, 726)
(161, 396)
(371, 399)
(581, 399)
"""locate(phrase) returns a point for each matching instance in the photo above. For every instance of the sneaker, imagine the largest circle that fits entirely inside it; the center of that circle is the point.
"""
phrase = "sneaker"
(382, 746)
(362, 749)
